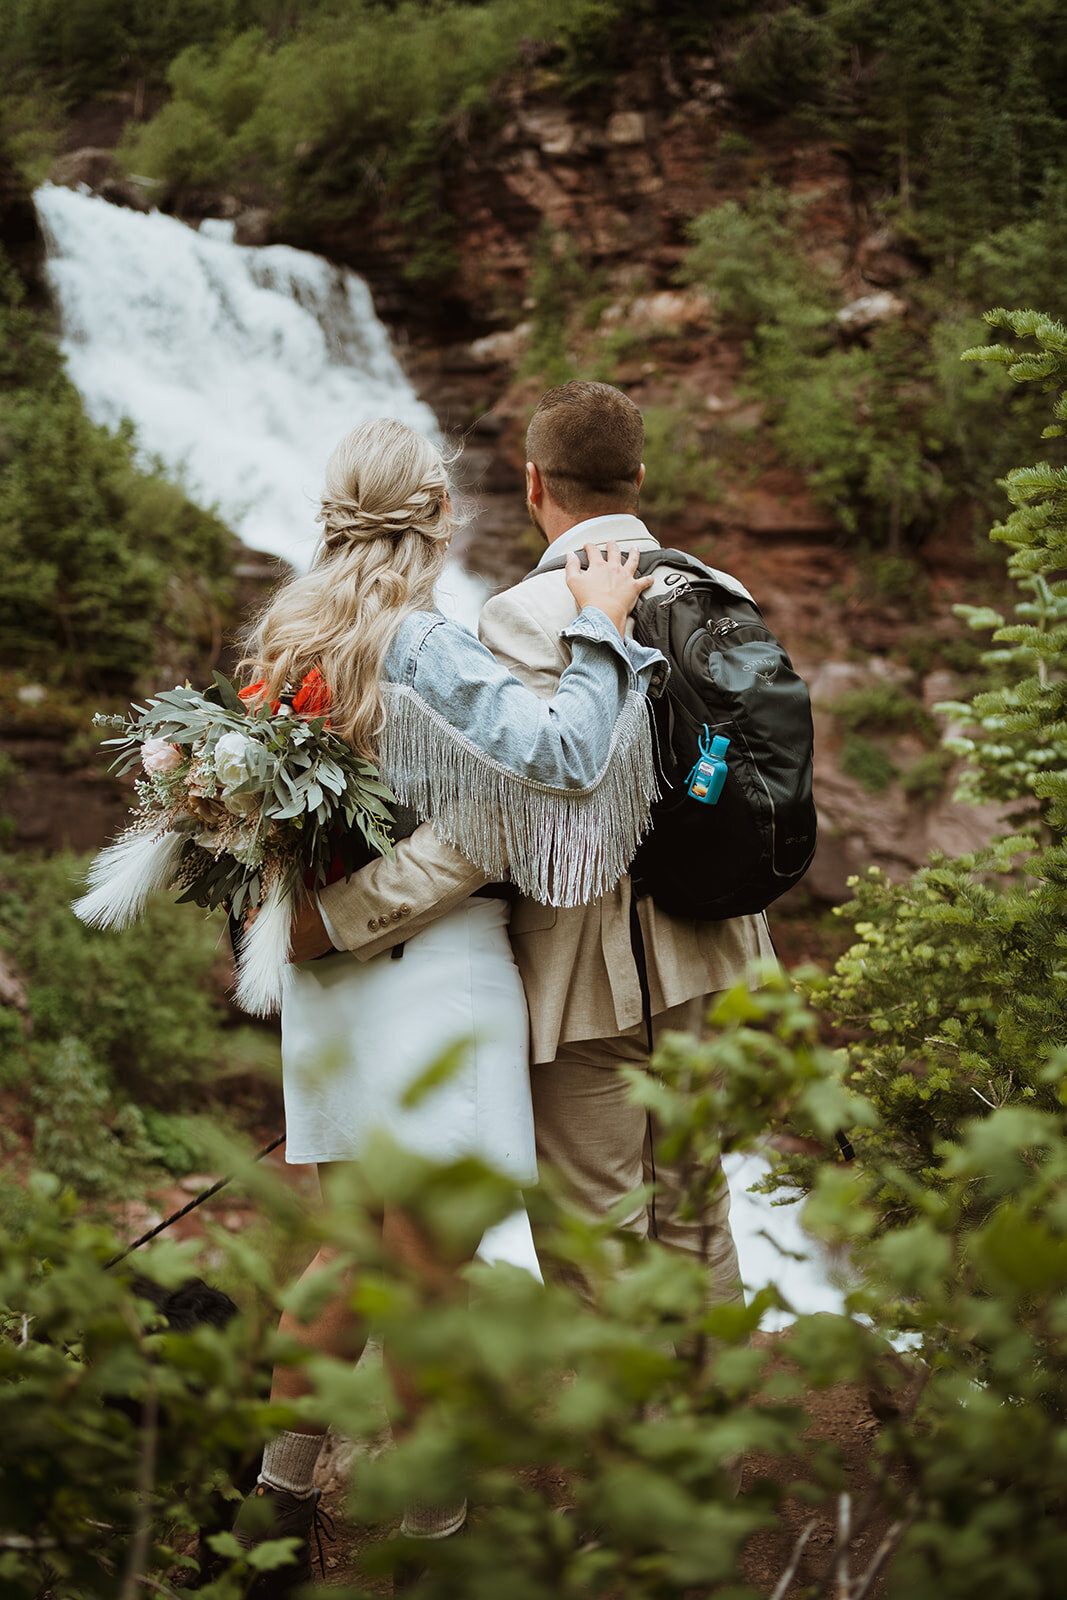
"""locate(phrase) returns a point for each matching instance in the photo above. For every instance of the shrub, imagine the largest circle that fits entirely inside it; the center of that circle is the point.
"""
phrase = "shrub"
(959, 107)
(557, 283)
(142, 1004)
(786, 58)
(845, 421)
(79, 1135)
(598, 39)
(349, 111)
(1016, 265)
(926, 778)
(867, 762)
(957, 977)
(749, 256)
(116, 1429)
(79, 47)
(884, 708)
(889, 432)
(525, 1377)
(838, 413)
(616, 1374)
(679, 467)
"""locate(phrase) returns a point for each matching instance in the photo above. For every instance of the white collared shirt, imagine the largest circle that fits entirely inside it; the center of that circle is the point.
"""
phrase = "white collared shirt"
(618, 525)
(626, 530)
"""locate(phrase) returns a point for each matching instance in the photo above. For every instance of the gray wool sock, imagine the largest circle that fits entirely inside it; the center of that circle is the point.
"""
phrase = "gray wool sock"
(432, 1519)
(289, 1463)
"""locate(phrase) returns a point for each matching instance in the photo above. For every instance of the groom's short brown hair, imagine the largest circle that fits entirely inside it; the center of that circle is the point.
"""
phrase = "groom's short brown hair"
(586, 441)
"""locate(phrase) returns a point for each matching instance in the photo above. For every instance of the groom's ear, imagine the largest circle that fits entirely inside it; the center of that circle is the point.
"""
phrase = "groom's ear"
(535, 486)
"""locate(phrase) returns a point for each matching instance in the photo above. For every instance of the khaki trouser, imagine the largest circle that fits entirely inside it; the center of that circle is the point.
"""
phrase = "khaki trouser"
(604, 1146)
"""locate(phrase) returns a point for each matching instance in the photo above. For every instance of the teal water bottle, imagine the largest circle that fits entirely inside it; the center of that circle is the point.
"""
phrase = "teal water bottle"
(709, 770)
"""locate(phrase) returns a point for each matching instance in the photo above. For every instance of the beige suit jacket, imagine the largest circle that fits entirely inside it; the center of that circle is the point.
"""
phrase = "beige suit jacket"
(576, 964)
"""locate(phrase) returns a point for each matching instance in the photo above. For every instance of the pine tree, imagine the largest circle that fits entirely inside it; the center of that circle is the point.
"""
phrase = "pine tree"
(958, 978)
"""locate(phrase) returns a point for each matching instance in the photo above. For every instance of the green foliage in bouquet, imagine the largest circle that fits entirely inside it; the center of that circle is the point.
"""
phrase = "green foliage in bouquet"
(258, 793)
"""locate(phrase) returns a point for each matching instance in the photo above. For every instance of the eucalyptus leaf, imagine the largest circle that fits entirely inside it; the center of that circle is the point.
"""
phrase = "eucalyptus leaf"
(293, 809)
(228, 694)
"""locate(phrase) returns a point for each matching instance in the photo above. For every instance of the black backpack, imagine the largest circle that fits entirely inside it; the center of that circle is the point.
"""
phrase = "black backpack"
(729, 677)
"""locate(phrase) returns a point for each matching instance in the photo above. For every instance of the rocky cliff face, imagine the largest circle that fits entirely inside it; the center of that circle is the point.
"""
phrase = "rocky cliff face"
(620, 178)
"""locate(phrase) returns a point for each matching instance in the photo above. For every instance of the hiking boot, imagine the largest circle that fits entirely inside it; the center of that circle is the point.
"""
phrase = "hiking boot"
(269, 1513)
(414, 1569)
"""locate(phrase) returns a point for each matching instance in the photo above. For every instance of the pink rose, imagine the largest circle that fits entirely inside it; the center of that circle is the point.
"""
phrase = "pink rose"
(158, 757)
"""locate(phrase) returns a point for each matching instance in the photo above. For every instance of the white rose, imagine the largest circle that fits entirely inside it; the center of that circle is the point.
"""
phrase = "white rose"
(241, 805)
(235, 760)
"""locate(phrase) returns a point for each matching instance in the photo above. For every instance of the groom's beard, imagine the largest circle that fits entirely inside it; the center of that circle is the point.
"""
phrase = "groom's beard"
(535, 519)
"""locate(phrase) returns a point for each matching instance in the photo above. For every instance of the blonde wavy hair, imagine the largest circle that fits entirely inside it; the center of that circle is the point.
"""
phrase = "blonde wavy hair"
(387, 522)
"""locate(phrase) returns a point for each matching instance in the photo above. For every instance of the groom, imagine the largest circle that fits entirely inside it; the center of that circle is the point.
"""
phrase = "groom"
(583, 476)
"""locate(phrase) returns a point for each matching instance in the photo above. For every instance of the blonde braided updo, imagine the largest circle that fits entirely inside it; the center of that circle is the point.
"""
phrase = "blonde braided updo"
(387, 521)
(382, 481)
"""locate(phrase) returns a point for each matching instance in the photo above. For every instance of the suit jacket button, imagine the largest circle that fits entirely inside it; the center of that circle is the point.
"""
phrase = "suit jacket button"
(373, 923)
(405, 911)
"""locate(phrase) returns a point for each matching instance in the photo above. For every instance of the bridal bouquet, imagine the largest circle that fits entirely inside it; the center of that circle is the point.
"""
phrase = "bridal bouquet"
(240, 803)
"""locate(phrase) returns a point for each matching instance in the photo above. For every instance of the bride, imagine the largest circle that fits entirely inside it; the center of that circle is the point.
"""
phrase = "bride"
(551, 795)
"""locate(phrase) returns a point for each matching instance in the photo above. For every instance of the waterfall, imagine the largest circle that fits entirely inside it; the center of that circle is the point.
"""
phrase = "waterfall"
(239, 367)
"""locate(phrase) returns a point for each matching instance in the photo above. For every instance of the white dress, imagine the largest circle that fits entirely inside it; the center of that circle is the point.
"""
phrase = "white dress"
(357, 1034)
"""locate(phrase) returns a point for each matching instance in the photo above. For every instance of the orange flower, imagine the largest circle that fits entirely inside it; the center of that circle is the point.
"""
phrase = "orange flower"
(254, 693)
(312, 699)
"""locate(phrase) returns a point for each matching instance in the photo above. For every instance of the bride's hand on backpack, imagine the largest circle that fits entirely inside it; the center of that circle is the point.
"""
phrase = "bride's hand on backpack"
(609, 583)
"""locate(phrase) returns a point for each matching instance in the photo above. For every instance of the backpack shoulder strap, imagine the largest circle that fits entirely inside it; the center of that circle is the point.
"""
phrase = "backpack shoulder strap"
(557, 564)
(680, 560)
(651, 559)
(648, 561)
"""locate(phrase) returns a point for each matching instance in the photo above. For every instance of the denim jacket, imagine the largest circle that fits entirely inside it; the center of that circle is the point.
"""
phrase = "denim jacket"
(558, 792)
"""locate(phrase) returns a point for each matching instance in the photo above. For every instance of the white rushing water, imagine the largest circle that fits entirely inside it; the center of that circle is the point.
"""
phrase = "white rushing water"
(240, 369)
(772, 1246)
